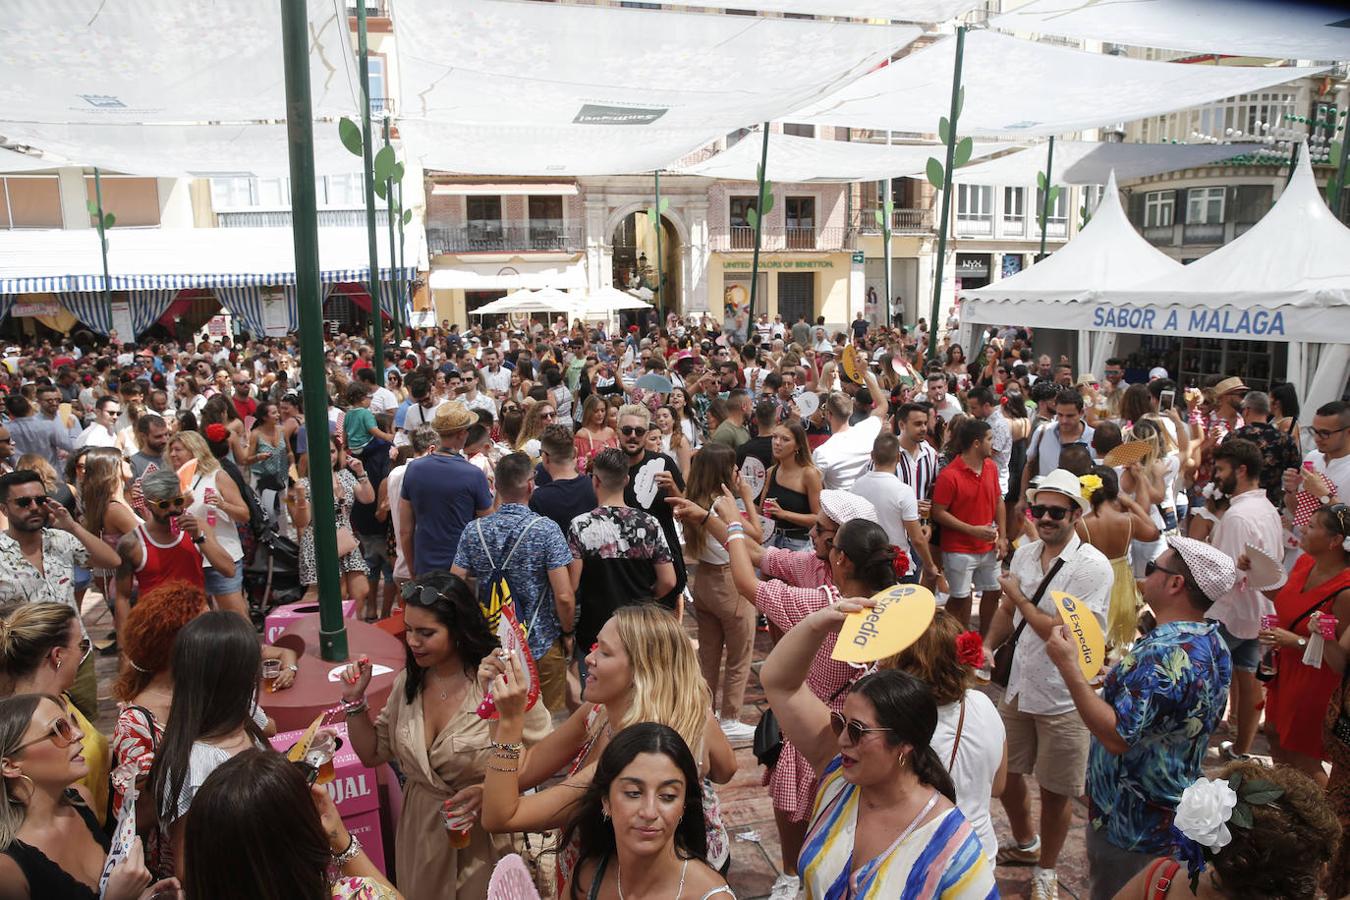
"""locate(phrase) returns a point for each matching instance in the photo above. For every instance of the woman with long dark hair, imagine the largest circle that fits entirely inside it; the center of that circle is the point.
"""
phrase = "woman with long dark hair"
(214, 715)
(288, 832)
(267, 454)
(791, 496)
(643, 814)
(884, 823)
(104, 507)
(431, 727)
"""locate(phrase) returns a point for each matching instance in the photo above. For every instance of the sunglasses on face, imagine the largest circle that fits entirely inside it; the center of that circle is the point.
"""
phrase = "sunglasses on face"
(856, 731)
(547, 415)
(62, 732)
(25, 502)
(1056, 513)
(1152, 566)
(175, 503)
(632, 430)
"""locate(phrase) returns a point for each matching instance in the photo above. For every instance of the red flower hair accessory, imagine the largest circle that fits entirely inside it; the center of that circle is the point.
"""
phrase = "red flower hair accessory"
(970, 649)
(899, 562)
(216, 432)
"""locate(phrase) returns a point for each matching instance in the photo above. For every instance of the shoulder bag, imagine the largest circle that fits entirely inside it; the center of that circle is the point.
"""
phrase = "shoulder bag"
(1003, 656)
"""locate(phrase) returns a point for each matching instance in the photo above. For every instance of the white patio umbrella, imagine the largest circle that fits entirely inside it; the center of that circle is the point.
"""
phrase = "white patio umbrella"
(600, 303)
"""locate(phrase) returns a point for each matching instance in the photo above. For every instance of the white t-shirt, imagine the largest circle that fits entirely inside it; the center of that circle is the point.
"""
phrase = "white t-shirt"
(395, 493)
(977, 759)
(895, 503)
(947, 410)
(383, 400)
(1338, 470)
(846, 455)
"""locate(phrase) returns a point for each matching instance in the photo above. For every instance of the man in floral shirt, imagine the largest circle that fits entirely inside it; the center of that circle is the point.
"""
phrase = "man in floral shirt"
(623, 551)
(1157, 709)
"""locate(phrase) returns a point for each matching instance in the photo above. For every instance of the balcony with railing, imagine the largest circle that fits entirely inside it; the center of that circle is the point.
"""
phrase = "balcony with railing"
(1202, 233)
(903, 221)
(536, 237)
(974, 226)
(779, 237)
(281, 218)
(1159, 235)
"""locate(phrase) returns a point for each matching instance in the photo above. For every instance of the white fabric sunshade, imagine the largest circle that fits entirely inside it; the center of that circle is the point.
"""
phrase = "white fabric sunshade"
(799, 159)
(183, 150)
(1016, 87)
(126, 61)
(1106, 253)
(1089, 162)
(12, 161)
(507, 278)
(545, 89)
(1296, 256)
(1281, 30)
(903, 10)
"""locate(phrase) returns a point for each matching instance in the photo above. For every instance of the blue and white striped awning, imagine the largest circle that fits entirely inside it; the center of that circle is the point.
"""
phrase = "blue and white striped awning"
(94, 283)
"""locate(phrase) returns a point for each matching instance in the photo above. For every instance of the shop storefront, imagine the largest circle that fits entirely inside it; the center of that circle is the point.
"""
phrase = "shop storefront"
(788, 285)
(972, 270)
(458, 287)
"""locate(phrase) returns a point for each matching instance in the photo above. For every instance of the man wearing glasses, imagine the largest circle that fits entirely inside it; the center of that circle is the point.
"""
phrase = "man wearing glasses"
(1115, 386)
(102, 431)
(39, 562)
(1331, 435)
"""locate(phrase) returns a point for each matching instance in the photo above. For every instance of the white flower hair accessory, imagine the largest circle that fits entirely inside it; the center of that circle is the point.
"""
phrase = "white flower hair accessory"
(1212, 491)
(1206, 809)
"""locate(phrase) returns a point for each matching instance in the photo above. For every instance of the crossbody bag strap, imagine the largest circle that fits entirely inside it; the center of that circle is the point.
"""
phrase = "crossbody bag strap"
(529, 629)
(1036, 598)
(960, 725)
(1315, 607)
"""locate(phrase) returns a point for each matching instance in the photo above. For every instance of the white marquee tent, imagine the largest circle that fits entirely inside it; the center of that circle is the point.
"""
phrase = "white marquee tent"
(1016, 87)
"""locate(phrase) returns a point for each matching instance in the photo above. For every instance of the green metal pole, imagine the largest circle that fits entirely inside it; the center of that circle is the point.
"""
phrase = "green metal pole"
(402, 285)
(946, 190)
(305, 234)
(103, 249)
(393, 253)
(759, 228)
(1045, 194)
(1334, 203)
(368, 156)
(660, 283)
(883, 191)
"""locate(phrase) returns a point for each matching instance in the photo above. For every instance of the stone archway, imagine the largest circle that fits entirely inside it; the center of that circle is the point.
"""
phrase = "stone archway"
(632, 242)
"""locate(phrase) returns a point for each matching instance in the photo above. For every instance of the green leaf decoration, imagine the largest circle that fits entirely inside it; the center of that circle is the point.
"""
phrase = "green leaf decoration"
(1040, 180)
(944, 129)
(1259, 791)
(935, 173)
(960, 100)
(384, 163)
(1235, 782)
(890, 208)
(92, 207)
(752, 217)
(407, 216)
(1054, 194)
(350, 135)
(397, 174)
(1242, 815)
(665, 204)
(963, 151)
(105, 245)
(881, 218)
(108, 220)
(379, 188)
(766, 202)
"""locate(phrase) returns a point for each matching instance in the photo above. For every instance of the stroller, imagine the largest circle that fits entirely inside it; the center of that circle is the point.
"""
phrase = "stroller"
(272, 573)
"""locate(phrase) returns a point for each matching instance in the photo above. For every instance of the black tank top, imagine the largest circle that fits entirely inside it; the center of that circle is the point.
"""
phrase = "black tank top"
(793, 502)
(45, 878)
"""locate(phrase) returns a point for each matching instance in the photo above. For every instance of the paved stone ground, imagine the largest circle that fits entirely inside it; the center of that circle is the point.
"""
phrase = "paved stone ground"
(745, 804)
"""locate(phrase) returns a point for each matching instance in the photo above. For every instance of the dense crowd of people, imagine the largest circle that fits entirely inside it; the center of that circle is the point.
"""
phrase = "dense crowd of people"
(647, 501)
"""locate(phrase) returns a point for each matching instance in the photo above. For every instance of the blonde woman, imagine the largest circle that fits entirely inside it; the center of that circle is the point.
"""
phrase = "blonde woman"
(538, 416)
(642, 669)
(1150, 483)
(1114, 524)
(593, 434)
(105, 510)
(215, 497)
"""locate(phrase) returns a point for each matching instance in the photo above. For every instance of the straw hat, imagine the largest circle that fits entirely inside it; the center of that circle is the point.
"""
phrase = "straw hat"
(451, 417)
(1060, 481)
(1229, 385)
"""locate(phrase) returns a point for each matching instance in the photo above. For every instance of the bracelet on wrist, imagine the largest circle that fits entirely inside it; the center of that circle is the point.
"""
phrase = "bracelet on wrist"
(733, 537)
(706, 516)
(508, 770)
(507, 746)
(352, 851)
(353, 707)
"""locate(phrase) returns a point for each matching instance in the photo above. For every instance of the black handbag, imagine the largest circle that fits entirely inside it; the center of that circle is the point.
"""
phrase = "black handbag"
(768, 742)
(1003, 656)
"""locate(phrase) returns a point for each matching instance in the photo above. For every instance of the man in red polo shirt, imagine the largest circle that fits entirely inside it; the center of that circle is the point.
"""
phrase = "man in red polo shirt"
(968, 507)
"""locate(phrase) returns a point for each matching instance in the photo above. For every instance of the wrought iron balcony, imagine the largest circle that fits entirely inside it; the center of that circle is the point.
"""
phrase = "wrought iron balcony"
(1200, 233)
(281, 218)
(488, 238)
(779, 237)
(903, 221)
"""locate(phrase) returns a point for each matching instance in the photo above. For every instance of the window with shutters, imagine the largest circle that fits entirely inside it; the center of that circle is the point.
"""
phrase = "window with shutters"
(796, 295)
(1204, 206)
(1158, 209)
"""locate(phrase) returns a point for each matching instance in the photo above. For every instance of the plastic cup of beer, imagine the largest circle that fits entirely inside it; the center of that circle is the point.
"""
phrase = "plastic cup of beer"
(320, 754)
(457, 828)
(271, 671)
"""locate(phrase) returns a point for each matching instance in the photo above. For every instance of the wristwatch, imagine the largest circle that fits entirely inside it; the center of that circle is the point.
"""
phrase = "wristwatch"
(199, 539)
(1302, 642)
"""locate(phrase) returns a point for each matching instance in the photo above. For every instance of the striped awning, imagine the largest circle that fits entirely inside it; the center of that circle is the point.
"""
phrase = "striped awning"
(94, 283)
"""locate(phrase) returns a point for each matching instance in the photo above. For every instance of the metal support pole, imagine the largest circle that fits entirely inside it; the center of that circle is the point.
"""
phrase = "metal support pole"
(1045, 194)
(884, 192)
(660, 283)
(946, 190)
(368, 158)
(759, 226)
(1335, 204)
(393, 253)
(403, 285)
(305, 234)
(103, 249)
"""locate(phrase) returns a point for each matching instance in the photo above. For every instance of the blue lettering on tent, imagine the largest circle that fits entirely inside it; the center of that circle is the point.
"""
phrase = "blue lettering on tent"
(1255, 322)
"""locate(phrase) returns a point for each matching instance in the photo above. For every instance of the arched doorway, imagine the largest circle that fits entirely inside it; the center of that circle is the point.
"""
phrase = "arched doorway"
(634, 259)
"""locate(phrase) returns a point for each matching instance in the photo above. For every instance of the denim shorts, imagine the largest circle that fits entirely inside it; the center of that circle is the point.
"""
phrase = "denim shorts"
(967, 571)
(1246, 652)
(82, 577)
(218, 585)
(783, 542)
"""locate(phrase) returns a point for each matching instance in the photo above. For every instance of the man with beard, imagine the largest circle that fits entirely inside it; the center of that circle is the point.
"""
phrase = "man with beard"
(39, 562)
(1046, 734)
(152, 436)
(1251, 520)
(652, 477)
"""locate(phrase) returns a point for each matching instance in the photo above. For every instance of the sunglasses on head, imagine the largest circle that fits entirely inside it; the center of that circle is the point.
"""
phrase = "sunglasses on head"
(856, 731)
(62, 732)
(175, 503)
(25, 502)
(631, 430)
(420, 594)
(1057, 513)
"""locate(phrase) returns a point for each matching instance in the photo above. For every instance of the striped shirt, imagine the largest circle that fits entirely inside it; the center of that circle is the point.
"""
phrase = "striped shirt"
(942, 858)
(919, 470)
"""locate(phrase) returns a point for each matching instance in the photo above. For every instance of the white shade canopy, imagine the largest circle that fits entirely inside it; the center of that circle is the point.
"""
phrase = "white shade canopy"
(128, 61)
(903, 10)
(12, 161)
(1107, 252)
(1016, 87)
(800, 159)
(1270, 28)
(543, 301)
(607, 300)
(1087, 162)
